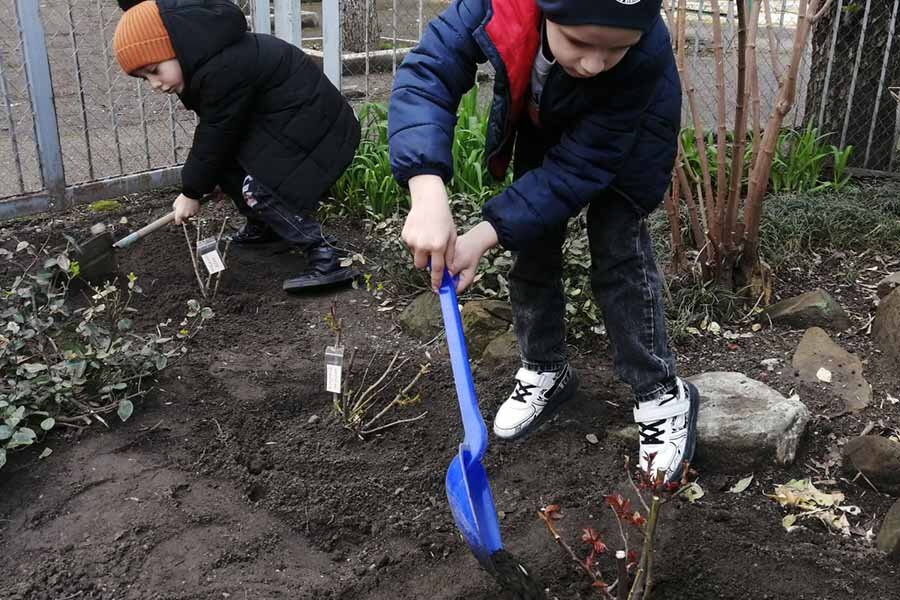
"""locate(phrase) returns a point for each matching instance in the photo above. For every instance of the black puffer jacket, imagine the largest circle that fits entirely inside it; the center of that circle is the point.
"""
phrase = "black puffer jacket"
(260, 101)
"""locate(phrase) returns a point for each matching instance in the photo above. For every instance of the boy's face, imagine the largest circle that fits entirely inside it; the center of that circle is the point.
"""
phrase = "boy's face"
(164, 77)
(587, 50)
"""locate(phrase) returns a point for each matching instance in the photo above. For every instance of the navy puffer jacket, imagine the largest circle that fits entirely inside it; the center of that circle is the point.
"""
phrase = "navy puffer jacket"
(617, 131)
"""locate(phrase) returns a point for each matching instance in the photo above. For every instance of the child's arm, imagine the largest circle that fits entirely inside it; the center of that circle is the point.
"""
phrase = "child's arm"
(225, 96)
(421, 122)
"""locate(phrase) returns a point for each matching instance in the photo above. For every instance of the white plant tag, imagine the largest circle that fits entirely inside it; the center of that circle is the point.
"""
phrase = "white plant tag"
(209, 252)
(334, 362)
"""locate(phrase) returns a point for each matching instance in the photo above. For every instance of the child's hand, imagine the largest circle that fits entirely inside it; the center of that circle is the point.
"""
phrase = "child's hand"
(470, 247)
(185, 208)
(429, 231)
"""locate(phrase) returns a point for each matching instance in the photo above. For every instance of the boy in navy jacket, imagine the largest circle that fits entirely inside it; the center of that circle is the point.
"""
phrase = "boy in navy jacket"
(587, 101)
(273, 133)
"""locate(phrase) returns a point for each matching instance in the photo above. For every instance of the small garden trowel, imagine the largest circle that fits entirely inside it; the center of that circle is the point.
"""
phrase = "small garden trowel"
(97, 257)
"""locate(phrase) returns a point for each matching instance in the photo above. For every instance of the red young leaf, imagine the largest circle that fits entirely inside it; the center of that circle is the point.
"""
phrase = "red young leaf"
(552, 511)
(637, 519)
(632, 558)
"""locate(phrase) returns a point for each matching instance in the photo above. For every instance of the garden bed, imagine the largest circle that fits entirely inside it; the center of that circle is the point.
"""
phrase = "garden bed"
(234, 480)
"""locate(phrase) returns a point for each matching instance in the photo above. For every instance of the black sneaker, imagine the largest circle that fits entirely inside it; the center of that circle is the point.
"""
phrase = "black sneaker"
(323, 270)
(536, 397)
(668, 430)
(254, 233)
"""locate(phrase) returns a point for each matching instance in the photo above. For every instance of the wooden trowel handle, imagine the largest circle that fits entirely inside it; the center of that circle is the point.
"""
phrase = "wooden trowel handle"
(145, 230)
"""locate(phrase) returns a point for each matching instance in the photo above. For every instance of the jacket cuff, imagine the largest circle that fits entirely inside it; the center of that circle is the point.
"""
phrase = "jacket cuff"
(403, 176)
(504, 234)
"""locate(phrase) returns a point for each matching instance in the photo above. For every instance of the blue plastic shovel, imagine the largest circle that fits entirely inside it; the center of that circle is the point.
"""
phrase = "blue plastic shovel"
(467, 485)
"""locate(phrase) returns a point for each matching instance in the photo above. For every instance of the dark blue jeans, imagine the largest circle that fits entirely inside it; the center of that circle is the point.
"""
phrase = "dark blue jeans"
(259, 204)
(626, 285)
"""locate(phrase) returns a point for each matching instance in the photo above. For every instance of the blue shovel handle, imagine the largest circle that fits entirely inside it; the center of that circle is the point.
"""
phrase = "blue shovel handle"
(473, 425)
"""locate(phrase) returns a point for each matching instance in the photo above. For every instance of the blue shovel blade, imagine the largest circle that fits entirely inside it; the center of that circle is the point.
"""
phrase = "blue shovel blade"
(468, 491)
(472, 506)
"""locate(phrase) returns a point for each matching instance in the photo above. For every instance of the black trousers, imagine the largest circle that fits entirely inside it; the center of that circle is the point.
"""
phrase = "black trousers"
(259, 204)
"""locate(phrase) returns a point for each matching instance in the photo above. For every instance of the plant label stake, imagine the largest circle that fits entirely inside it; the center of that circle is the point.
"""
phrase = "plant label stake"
(334, 362)
(208, 249)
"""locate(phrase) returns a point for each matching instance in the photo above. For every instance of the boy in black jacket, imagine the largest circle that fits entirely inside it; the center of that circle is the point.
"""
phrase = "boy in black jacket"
(273, 133)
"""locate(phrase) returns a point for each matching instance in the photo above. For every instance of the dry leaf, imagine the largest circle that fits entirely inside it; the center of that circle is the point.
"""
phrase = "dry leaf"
(741, 485)
(788, 523)
(802, 494)
(693, 492)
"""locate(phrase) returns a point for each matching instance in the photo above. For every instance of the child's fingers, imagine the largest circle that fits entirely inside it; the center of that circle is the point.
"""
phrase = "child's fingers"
(465, 279)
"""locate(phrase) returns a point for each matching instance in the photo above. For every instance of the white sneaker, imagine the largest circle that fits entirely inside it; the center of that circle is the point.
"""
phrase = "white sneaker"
(536, 397)
(668, 431)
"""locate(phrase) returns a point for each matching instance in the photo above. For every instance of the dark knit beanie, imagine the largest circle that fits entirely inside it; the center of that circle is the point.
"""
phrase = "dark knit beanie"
(628, 14)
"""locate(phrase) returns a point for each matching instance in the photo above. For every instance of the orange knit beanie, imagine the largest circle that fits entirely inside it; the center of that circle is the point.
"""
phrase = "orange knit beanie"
(141, 38)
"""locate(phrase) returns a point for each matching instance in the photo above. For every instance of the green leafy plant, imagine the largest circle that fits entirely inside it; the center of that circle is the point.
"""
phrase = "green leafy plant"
(68, 367)
(367, 187)
(800, 160)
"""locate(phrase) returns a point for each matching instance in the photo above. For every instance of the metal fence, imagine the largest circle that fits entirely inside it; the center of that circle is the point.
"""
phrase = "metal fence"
(74, 128)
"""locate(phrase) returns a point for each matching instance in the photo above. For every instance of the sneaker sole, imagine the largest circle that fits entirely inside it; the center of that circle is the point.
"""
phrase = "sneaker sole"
(691, 444)
(546, 414)
(343, 276)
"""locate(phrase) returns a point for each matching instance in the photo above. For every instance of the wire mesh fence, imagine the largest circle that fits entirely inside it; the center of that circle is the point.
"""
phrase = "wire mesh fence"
(18, 150)
(110, 126)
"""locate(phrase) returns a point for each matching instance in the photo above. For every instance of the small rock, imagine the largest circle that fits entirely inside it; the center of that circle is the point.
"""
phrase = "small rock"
(309, 19)
(888, 285)
(770, 363)
(817, 354)
(888, 539)
(744, 423)
(422, 318)
(812, 309)
(313, 419)
(886, 327)
(502, 350)
(353, 92)
(480, 325)
(592, 439)
(876, 457)
(256, 466)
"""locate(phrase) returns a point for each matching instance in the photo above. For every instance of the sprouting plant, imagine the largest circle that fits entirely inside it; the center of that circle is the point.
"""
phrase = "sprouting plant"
(633, 568)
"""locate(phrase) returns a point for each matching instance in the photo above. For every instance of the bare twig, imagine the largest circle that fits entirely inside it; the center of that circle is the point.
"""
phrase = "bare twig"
(193, 253)
(562, 543)
(398, 397)
(622, 569)
(394, 423)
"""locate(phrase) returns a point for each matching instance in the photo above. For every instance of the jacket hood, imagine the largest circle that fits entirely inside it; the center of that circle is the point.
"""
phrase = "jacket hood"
(198, 29)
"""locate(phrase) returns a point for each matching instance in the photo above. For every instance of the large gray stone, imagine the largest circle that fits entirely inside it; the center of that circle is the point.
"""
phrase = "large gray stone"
(876, 457)
(744, 423)
(816, 308)
(481, 324)
(503, 350)
(886, 327)
(888, 539)
(422, 318)
(817, 351)
(888, 284)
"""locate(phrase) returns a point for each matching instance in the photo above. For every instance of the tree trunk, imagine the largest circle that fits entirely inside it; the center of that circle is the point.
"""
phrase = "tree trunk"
(353, 26)
(835, 104)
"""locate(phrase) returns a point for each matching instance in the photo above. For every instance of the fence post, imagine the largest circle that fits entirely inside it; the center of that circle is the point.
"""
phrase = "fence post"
(331, 40)
(40, 90)
(262, 16)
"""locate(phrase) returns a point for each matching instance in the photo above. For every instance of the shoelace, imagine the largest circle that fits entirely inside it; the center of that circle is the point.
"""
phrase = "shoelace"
(521, 392)
(651, 432)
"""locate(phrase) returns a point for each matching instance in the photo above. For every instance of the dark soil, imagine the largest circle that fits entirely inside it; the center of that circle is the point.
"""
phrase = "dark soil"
(234, 480)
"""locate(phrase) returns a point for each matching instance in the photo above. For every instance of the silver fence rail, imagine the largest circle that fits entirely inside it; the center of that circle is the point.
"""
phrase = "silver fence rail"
(75, 129)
